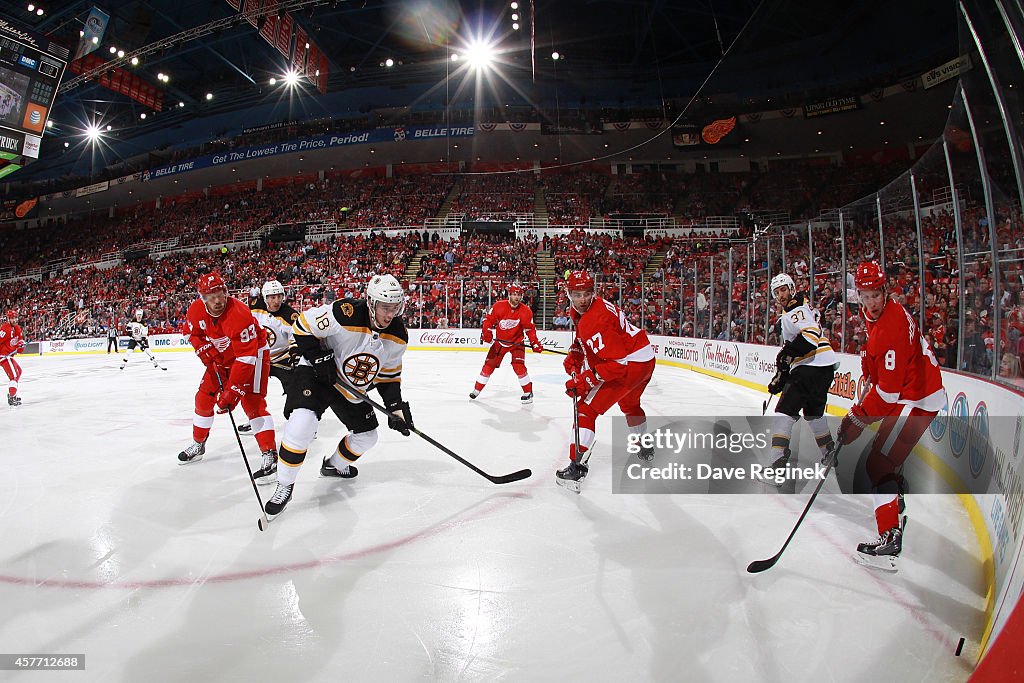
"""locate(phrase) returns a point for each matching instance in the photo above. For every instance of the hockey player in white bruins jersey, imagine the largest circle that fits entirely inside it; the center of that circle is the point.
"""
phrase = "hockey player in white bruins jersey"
(277, 318)
(139, 337)
(804, 369)
(362, 341)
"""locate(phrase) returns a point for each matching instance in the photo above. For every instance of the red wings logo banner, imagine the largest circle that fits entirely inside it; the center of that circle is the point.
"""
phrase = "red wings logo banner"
(716, 130)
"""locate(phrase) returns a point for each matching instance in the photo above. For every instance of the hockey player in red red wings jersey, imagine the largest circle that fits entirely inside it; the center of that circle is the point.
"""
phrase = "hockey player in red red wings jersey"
(508, 320)
(905, 394)
(233, 345)
(610, 362)
(12, 342)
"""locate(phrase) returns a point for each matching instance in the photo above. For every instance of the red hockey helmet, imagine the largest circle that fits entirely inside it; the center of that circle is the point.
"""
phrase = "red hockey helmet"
(211, 282)
(869, 276)
(515, 288)
(579, 280)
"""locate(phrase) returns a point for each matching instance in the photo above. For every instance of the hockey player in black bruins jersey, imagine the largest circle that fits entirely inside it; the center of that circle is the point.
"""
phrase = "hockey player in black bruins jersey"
(362, 341)
(277, 318)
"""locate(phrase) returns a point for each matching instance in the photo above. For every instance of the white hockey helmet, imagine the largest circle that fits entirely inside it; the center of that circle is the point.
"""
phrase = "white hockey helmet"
(272, 287)
(782, 280)
(139, 313)
(385, 289)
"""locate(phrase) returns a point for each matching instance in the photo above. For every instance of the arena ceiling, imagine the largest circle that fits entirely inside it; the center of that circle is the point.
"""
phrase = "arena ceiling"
(664, 41)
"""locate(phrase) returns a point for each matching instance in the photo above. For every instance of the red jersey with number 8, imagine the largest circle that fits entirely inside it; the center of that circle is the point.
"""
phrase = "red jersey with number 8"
(609, 340)
(236, 334)
(900, 366)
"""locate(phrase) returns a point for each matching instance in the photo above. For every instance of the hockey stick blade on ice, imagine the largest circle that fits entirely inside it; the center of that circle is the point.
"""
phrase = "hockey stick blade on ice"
(758, 566)
(499, 479)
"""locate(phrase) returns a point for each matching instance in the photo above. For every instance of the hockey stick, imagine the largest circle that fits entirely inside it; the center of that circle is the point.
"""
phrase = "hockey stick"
(524, 346)
(758, 566)
(263, 522)
(576, 421)
(764, 406)
(500, 479)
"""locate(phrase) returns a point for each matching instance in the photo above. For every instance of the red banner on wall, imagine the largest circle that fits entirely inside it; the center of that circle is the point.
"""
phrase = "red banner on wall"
(269, 30)
(249, 6)
(324, 73)
(312, 63)
(284, 36)
(121, 81)
(299, 54)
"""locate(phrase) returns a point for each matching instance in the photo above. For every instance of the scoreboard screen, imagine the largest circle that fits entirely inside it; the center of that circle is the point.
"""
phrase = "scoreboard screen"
(31, 67)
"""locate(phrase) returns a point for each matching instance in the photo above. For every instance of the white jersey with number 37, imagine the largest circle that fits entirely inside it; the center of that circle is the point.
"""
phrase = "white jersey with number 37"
(799, 319)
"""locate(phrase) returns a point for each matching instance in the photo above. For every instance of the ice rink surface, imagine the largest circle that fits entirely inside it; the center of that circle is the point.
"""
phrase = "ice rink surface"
(420, 569)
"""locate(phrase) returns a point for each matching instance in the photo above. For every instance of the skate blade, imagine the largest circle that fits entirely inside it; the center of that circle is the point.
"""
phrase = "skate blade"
(569, 484)
(264, 481)
(885, 563)
(271, 517)
(190, 462)
(337, 476)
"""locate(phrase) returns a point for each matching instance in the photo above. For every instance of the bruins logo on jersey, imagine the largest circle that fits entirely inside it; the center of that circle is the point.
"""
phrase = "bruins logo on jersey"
(271, 336)
(294, 317)
(347, 310)
(361, 368)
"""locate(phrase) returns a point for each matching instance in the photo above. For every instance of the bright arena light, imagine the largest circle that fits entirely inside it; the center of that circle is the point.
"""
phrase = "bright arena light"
(479, 54)
(92, 133)
(291, 79)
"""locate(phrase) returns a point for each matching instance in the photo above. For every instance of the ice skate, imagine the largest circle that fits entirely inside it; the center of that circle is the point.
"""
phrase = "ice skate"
(278, 502)
(193, 453)
(572, 476)
(883, 553)
(329, 470)
(267, 473)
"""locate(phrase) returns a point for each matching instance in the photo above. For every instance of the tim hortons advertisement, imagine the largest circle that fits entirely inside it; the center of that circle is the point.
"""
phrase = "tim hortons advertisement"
(721, 356)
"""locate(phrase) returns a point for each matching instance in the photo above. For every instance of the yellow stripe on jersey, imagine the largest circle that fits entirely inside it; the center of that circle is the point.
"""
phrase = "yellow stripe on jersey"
(357, 329)
(393, 338)
(386, 380)
(350, 395)
(824, 346)
(301, 326)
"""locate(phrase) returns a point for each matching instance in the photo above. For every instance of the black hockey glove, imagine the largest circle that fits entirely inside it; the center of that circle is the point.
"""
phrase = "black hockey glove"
(778, 382)
(323, 366)
(783, 360)
(400, 417)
